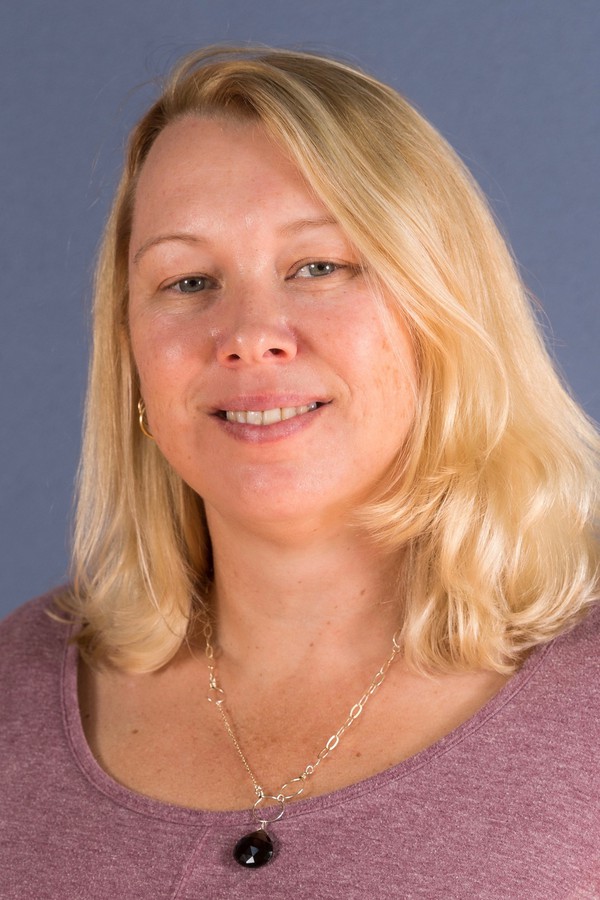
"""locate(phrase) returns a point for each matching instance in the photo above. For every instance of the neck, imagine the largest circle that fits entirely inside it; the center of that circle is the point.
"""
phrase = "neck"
(283, 604)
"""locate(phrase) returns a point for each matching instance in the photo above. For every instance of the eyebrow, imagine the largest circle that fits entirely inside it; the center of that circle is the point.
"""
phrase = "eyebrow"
(302, 224)
(295, 227)
(182, 237)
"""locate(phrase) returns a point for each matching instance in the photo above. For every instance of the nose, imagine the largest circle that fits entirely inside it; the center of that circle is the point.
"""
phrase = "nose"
(257, 334)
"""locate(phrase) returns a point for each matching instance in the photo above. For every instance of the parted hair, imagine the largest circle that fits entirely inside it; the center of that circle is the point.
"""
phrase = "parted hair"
(491, 505)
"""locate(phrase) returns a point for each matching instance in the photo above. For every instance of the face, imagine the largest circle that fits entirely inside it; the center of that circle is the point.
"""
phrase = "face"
(271, 384)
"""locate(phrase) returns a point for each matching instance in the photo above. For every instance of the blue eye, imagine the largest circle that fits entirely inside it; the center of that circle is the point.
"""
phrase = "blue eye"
(191, 285)
(317, 269)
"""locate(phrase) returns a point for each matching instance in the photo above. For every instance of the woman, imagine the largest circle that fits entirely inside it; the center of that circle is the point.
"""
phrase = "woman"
(331, 479)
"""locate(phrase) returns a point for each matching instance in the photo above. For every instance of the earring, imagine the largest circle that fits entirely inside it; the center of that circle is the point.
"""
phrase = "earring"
(142, 419)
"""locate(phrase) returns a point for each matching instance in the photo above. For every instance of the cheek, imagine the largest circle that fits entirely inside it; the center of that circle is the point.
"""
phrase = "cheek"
(387, 359)
(164, 356)
(396, 392)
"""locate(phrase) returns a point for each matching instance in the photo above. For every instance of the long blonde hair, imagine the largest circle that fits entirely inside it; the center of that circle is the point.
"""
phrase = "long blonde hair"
(492, 503)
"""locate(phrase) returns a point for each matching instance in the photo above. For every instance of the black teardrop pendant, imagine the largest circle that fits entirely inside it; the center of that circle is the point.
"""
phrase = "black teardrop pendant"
(254, 850)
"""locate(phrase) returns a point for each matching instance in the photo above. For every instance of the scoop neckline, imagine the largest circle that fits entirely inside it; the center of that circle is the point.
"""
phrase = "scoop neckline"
(159, 809)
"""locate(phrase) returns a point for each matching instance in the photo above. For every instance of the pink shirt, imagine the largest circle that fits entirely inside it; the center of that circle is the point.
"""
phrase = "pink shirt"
(505, 807)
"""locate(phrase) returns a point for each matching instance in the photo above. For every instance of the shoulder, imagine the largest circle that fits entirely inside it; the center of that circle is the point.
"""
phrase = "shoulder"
(566, 671)
(554, 699)
(576, 650)
(32, 638)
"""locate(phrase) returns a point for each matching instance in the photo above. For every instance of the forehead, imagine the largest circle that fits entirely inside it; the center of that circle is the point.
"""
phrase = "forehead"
(221, 180)
(213, 155)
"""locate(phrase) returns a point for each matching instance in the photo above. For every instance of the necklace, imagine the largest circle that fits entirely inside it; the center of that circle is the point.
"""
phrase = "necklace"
(256, 849)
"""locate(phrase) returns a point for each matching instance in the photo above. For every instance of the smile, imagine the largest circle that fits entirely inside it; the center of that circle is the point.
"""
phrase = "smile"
(268, 416)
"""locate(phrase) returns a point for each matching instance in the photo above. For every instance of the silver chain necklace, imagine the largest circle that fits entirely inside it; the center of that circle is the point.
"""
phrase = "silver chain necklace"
(256, 849)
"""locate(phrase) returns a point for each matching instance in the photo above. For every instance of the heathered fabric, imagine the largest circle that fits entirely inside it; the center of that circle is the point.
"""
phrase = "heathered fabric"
(505, 807)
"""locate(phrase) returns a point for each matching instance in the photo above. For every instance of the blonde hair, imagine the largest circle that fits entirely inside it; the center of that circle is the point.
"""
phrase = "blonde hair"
(492, 503)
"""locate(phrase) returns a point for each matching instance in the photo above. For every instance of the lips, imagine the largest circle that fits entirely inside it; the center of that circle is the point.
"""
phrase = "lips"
(268, 416)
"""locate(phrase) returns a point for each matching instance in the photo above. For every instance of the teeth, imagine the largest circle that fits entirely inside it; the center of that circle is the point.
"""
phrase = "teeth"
(267, 416)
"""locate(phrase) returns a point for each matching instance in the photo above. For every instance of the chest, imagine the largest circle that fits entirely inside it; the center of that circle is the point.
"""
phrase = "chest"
(161, 737)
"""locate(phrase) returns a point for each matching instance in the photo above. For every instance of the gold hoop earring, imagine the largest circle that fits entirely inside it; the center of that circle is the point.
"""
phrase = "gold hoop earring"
(142, 419)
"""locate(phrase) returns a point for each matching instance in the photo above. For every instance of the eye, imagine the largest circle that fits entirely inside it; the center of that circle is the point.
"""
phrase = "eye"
(317, 269)
(190, 285)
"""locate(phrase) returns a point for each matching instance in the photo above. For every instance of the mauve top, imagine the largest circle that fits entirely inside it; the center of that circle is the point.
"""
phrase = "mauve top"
(507, 806)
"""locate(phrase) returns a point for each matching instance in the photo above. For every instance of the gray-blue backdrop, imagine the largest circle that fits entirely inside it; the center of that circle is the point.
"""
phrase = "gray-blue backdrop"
(513, 84)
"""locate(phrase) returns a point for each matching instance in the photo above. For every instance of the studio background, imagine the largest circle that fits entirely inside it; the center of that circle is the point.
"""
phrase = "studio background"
(513, 84)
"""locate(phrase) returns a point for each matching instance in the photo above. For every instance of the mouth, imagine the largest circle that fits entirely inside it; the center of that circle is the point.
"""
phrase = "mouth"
(266, 416)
